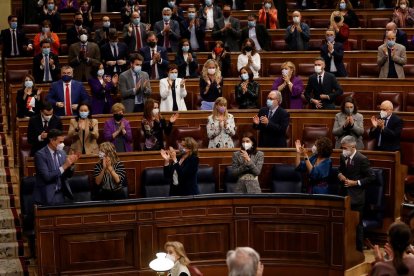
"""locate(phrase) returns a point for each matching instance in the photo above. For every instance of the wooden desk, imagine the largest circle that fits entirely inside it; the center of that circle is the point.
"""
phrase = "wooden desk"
(294, 235)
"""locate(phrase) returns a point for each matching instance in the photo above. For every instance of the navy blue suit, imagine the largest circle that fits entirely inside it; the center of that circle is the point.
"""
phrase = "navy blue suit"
(338, 56)
(187, 176)
(274, 133)
(330, 87)
(56, 94)
(107, 55)
(390, 135)
(162, 68)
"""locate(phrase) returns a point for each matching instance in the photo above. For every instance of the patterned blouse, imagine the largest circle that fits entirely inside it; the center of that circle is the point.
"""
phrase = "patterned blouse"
(219, 136)
(108, 182)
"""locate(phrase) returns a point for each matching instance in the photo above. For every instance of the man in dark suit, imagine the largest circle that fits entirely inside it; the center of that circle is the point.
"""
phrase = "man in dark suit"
(102, 34)
(210, 13)
(155, 58)
(53, 167)
(114, 54)
(50, 12)
(65, 94)
(322, 88)
(272, 121)
(135, 33)
(333, 54)
(355, 174)
(386, 129)
(73, 33)
(400, 35)
(14, 40)
(39, 126)
(257, 32)
(194, 29)
(46, 64)
(167, 31)
(227, 29)
(235, 4)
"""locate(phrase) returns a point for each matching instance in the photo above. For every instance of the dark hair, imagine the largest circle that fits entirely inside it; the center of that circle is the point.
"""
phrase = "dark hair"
(77, 13)
(54, 133)
(134, 57)
(172, 66)
(253, 46)
(324, 147)
(95, 68)
(89, 108)
(10, 17)
(410, 216)
(351, 100)
(46, 106)
(151, 33)
(319, 58)
(252, 15)
(399, 235)
(32, 79)
(249, 71)
(148, 107)
(112, 34)
(47, 22)
(180, 47)
(250, 135)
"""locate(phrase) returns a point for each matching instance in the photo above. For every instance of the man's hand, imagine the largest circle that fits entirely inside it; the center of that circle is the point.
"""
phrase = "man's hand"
(341, 177)
(264, 120)
(60, 104)
(74, 106)
(350, 183)
(256, 120)
(43, 135)
(374, 121)
(317, 103)
(111, 62)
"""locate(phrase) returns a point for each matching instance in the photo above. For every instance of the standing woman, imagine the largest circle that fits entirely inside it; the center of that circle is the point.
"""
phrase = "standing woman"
(403, 15)
(176, 253)
(109, 174)
(290, 86)
(350, 17)
(28, 98)
(102, 88)
(47, 34)
(349, 122)
(268, 15)
(341, 29)
(155, 126)
(249, 57)
(220, 126)
(211, 84)
(186, 60)
(172, 91)
(83, 131)
(222, 57)
(182, 170)
(247, 91)
(117, 130)
(318, 166)
(247, 165)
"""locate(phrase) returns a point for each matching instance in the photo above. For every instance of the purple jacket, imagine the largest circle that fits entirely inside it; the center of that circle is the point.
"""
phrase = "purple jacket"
(294, 101)
(110, 127)
(99, 94)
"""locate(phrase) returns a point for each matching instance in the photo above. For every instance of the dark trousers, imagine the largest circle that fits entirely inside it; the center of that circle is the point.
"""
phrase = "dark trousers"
(360, 227)
(138, 107)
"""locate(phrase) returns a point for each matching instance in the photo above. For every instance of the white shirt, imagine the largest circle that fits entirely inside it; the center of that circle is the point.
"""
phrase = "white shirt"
(17, 43)
(333, 67)
(157, 76)
(242, 60)
(187, 67)
(134, 77)
(350, 162)
(193, 38)
(210, 18)
(52, 152)
(50, 68)
(252, 35)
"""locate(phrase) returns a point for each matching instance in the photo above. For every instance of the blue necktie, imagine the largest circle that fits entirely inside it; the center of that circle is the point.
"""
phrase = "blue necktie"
(56, 162)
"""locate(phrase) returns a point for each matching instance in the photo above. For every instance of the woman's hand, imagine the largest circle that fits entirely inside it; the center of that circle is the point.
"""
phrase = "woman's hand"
(173, 154)
(81, 124)
(165, 155)
(173, 117)
(298, 146)
(245, 156)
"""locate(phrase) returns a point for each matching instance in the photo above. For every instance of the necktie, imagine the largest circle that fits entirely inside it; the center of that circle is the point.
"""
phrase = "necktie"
(14, 41)
(68, 108)
(138, 95)
(380, 136)
(116, 69)
(153, 72)
(270, 114)
(56, 163)
(166, 38)
(45, 123)
(47, 69)
(138, 38)
(320, 81)
(348, 162)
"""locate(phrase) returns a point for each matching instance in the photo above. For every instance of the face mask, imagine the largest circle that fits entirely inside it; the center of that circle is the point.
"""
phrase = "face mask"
(247, 146)
(191, 15)
(296, 19)
(403, 6)
(152, 44)
(47, 118)
(61, 146)
(221, 109)
(171, 4)
(106, 24)
(383, 114)
(66, 78)
(118, 117)
(136, 21)
(183, 150)
(390, 43)
(285, 72)
(268, 5)
(78, 22)
(45, 51)
(248, 48)
(269, 103)
(137, 69)
(171, 257)
(101, 154)
(208, 2)
(251, 24)
(83, 38)
(166, 18)
(155, 111)
(244, 76)
(318, 69)
(342, 6)
(101, 72)
(226, 14)
(45, 29)
(186, 48)
(314, 149)
(173, 76)
(211, 71)
(28, 84)
(218, 50)
(337, 19)
(84, 114)
(13, 25)
(50, 7)
(346, 153)
(330, 39)
(349, 111)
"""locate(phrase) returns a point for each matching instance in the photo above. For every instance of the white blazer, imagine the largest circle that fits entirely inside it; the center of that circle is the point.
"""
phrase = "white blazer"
(166, 95)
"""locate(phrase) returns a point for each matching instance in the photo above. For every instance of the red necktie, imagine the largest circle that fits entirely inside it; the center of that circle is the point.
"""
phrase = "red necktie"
(138, 38)
(167, 39)
(153, 73)
(68, 108)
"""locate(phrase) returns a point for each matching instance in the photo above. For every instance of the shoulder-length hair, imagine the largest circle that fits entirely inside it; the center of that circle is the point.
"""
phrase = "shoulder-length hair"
(204, 72)
(148, 107)
(254, 51)
(349, 99)
(89, 108)
(250, 135)
(109, 149)
(179, 249)
(31, 78)
(191, 145)
(249, 72)
(219, 101)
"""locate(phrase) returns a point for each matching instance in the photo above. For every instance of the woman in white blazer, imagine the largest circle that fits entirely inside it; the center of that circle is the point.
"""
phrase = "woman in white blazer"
(172, 91)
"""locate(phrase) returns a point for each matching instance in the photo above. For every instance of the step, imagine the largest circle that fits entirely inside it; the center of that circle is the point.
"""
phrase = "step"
(8, 235)
(9, 218)
(9, 201)
(11, 250)
(12, 267)
(9, 188)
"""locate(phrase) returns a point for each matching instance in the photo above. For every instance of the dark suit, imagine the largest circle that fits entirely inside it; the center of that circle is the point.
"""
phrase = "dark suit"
(57, 94)
(274, 133)
(330, 87)
(357, 169)
(239, 4)
(182, 65)
(337, 55)
(187, 177)
(390, 135)
(72, 35)
(50, 182)
(6, 40)
(107, 55)
(131, 40)
(200, 32)
(231, 36)
(217, 12)
(162, 68)
(262, 36)
(38, 69)
(35, 128)
(82, 68)
(173, 35)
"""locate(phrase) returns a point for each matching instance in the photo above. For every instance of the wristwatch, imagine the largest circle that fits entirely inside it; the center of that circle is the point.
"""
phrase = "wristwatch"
(306, 158)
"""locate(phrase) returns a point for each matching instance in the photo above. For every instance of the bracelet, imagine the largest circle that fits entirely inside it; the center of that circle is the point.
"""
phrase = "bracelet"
(306, 158)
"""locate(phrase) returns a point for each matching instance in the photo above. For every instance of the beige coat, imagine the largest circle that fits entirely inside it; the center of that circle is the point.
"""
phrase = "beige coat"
(400, 59)
(91, 137)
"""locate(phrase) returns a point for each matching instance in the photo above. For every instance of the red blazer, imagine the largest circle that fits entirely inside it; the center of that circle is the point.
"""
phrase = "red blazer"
(273, 18)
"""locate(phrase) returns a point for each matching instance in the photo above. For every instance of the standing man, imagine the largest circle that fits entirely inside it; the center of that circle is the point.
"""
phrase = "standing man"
(194, 29)
(244, 261)
(391, 58)
(46, 64)
(155, 58)
(114, 54)
(134, 85)
(322, 88)
(53, 168)
(73, 33)
(210, 13)
(257, 32)
(168, 31)
(272, 121)
(355, 174)
(135, 33)
(298, 34)
(386, 129)
(14, 40)
(227, 29)
(333, 54)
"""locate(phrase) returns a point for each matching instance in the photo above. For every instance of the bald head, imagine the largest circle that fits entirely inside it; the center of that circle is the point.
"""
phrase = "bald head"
(391, 35)
(296, 13)
(386, 106)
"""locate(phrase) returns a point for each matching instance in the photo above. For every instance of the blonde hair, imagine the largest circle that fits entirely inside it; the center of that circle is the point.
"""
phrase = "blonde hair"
(118, 107)
(204, 73)
(179, 249)
(191, 145)
(109, 149)
(219, 101)
(290, 65)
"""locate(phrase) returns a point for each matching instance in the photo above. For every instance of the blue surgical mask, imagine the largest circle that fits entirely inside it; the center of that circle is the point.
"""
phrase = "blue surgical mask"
(342, 6)
(244, 76)
(166, 18)
(186, 48)
(330, 39)
(269, 103)
(136, 21)
(46, 51)
(390, 43)
(13, 25)
(171, 4)
(45, 29)
(50, 7)
(209, 2)
(28, 84)
(84, 114)
(66, 78)
(101, 72)
(251, 24)
(137, 69)
(173, 76)
(191, 15)
(106, 24)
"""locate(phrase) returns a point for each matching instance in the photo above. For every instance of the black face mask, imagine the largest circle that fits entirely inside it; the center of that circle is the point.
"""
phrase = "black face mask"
(78, 22)
(226, 13)
(118, 117)
(337, 19)
(248, 48)
(152, 44)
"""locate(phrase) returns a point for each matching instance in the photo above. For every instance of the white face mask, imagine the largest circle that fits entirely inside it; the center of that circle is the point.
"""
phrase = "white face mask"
(60, 146)
(247, 146)
(155, 111)
(314, 149)
(47, 118)
(346, 153)
(383, 114)
(211, 71)
(296, 19)
(101, 154)
(83, 38)
(171, 257)
(101, 72)
(318, 69)
(403, 6)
